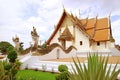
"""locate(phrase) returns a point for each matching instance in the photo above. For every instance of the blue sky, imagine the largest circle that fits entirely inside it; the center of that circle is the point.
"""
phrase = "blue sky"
(17, 17)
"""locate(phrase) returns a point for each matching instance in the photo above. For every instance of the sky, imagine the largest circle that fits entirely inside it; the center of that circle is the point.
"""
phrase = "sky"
(17, 17)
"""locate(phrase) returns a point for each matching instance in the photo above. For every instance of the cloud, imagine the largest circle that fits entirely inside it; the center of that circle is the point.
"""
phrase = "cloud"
(116, 31)
(19, 16)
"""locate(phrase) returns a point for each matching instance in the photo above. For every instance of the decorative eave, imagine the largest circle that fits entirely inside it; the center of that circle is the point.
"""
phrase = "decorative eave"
(66, 35)
(64, 14)
(57, 27)
(110, 37)
(92, 28)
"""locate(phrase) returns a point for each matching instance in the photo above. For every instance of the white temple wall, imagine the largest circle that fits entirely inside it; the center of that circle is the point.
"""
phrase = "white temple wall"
(58, 53)
(80, 36)
(55, 39)
(103, 47)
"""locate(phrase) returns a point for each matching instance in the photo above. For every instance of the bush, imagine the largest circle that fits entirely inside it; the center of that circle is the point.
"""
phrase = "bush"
(62, 68)
(12, 56)
(18, 64)
(96, 69)
(7, 67)
(36, 69)
(62, 76)
(63, 73)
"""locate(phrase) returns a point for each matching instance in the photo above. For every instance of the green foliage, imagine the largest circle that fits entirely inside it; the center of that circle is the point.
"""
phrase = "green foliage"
(2, 71)
(21, 47)
(62, 76)
(44, 45)
(96, 69)
(12, 56)
(3, 46)
(7, 67)
(18, 64)
(10, 48)
(34, 75)
(57, 77)
(62, 68)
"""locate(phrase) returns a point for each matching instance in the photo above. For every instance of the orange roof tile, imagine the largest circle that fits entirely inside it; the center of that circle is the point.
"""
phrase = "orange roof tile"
(102, 23)
(101, 35)
(90, 31)
(90, 23)
(83, 21)
(98, 29)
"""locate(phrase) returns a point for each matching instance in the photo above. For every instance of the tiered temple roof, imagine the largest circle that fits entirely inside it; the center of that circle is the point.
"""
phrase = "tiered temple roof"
(96, 29)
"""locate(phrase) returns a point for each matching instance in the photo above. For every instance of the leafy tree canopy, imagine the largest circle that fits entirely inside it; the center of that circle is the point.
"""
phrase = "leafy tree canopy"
(3, 46)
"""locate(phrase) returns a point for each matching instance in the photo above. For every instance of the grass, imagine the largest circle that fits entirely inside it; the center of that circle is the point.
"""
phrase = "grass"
(34, 75)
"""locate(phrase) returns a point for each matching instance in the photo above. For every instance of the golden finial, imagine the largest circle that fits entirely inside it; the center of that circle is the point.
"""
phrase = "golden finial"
(71, 12)
(63, 7)
(109, 14)
(79, 13)
(87, 17)
(96, 15)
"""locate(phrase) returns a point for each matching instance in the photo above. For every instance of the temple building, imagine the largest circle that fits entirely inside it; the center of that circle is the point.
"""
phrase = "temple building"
(86, 35)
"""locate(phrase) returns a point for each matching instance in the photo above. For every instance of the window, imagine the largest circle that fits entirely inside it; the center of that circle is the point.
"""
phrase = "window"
(80, 42)
(98, 43)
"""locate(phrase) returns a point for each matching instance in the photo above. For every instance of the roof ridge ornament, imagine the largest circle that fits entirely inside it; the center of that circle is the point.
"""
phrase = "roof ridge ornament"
(63, 7)
(109, 14)
(79, 13)
(111, 37)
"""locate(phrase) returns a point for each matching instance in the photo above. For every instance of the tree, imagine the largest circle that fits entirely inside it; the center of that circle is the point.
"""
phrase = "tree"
(3, 46)
(12, 56)
(10, 48)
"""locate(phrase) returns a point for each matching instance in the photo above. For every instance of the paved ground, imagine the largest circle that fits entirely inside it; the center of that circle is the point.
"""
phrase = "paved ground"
(112, 59)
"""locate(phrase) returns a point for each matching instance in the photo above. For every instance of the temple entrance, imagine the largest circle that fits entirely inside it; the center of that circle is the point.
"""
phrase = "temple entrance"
(63, 42)
(65, 36)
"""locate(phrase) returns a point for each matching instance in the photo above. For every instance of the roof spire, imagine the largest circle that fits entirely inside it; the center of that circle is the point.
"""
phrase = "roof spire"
(96, 20)
(63, 7)
(109, 15)
(93, 34)
(111, 37)
(79, 13)
(87, 17)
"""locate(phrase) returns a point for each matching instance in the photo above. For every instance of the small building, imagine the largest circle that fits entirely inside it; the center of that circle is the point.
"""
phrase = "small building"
(86, 35)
